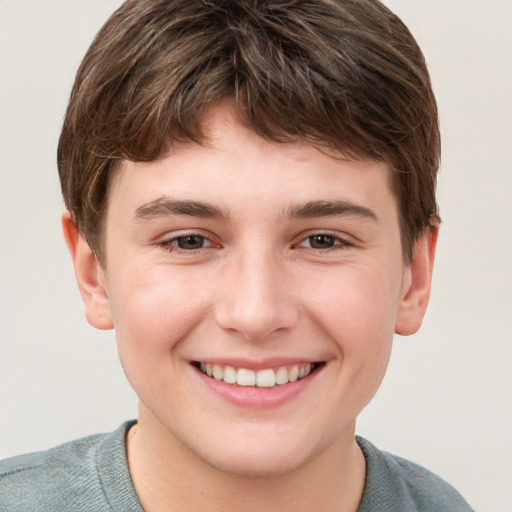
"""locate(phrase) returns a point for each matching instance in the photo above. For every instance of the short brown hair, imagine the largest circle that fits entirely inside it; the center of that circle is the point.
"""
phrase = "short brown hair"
(341, 74)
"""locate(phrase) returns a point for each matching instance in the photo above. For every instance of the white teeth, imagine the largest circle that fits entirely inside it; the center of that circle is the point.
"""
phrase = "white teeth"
(293, 374)
(266, 378)
(218, 372)
(229, 375)
(282, 376)
(245, 377)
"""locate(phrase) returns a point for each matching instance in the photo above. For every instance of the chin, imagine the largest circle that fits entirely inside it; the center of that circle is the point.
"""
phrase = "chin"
(255, 466)
(259, 456)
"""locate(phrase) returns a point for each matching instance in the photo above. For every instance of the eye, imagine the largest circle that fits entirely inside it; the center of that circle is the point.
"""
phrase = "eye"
(324, 241)
(321, 241)
(188, 243)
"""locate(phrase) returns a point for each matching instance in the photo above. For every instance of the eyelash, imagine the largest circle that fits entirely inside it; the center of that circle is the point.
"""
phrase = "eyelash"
(339, 243)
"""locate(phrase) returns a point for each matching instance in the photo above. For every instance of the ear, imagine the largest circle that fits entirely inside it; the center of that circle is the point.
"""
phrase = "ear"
(89, 276)
(415, 292)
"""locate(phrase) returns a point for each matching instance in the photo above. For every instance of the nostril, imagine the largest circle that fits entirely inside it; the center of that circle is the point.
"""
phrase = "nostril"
(258, 325)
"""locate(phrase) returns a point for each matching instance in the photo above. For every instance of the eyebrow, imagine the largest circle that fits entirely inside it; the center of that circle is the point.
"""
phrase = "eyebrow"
(339, 207)
(164, 206)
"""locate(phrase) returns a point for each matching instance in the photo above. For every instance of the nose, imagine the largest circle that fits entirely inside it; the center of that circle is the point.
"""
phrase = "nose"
(256, 300)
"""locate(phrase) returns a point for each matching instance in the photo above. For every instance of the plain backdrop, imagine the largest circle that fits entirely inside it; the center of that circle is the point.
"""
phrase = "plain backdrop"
(447, 399)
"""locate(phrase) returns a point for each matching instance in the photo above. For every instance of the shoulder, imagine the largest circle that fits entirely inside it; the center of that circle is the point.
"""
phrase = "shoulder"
(64, 478)
(48, 480)
(394, 483)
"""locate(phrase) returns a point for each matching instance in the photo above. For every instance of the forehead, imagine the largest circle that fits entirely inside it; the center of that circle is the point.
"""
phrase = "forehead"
(236, 168)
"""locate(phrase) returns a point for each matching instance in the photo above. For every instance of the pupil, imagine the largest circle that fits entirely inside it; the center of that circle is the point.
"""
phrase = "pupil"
(190, 242)
(321, 241)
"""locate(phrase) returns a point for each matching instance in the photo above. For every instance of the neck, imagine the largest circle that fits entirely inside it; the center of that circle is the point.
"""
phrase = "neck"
(168, 476)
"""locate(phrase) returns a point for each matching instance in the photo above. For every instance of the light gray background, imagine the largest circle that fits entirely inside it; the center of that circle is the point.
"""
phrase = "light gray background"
(447, 399)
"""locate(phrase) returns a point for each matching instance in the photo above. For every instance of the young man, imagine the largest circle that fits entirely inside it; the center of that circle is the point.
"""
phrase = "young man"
(250, 192)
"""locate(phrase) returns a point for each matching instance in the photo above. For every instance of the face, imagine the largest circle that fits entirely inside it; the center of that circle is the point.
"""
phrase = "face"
(255, 289)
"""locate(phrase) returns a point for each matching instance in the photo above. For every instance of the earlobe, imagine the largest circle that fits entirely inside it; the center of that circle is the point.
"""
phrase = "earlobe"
(416, 285)
(89, 276)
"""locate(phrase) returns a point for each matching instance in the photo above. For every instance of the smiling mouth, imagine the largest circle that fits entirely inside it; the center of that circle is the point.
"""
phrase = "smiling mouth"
(266, 378)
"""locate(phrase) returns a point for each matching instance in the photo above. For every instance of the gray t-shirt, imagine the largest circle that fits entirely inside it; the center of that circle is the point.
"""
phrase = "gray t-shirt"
(91, 475)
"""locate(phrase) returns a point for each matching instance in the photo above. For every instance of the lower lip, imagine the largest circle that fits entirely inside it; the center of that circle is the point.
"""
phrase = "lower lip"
(258, 398)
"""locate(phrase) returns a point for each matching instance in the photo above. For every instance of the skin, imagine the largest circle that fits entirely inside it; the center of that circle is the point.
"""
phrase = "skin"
(254, 287)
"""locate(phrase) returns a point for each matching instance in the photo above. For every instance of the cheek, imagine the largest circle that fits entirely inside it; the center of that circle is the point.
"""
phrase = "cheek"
(356, 300)
(358, 313)
(153, 310)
